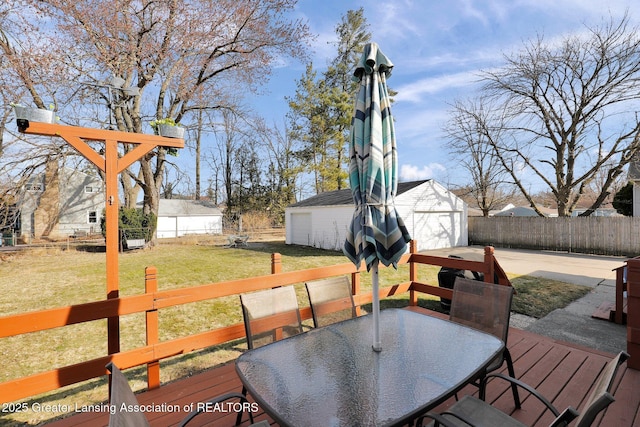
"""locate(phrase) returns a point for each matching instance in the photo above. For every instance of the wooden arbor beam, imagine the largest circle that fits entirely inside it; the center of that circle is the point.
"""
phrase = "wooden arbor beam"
(109, 162)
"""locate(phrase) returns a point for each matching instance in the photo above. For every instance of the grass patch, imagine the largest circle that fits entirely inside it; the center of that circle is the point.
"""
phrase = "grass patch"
(535, 297)
(538, 297)
(48, 278)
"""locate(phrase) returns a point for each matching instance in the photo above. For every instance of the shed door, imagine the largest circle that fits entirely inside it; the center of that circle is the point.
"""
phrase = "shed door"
(301, 228)
(436, 230)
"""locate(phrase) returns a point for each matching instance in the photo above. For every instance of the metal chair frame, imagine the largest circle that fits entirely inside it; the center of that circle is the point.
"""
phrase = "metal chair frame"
(331, 300)
(486, 307)
(271, 314)
(121, 393)
(471, 411)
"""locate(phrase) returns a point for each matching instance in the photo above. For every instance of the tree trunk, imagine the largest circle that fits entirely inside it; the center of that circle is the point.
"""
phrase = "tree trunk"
(198, 147)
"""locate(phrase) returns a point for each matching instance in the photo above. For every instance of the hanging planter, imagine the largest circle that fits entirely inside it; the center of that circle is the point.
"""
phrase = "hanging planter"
(167, 128)
(171, 131)
(24, 115)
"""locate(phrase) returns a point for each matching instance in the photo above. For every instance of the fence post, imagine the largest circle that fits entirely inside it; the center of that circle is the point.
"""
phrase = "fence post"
(355, 288)
(276, 263)
(633, 313)
(413, 274)
(490, 263)
(150, 287)
(620, 279)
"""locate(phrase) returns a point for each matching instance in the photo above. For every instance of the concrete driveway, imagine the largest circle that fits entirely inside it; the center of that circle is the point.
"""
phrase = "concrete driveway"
(574, 322)
(580, 269)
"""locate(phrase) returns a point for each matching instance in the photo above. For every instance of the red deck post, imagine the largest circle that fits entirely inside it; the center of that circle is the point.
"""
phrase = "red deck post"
(633, 313)
(413, 274)
(111, 163)
(276, 263)
(619, 314)
(489, 261)
(355, 288)
(151, 286)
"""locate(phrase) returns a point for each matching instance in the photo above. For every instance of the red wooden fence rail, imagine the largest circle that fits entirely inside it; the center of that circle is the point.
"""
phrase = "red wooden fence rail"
(154, 300)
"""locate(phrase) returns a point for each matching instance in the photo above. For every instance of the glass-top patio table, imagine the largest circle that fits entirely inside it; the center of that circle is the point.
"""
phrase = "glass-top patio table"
(331, 376)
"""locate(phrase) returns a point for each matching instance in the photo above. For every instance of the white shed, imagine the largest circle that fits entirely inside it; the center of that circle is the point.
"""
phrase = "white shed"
(180, 217)
(435, 217)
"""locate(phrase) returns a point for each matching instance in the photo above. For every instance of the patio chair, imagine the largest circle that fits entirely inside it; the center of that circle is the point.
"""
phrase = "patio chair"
(470, 411)
(270, 315)
(331, 300)
(486, 307)
(121, 394)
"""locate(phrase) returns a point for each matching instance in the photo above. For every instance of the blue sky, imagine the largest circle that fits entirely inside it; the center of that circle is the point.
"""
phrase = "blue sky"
(438, 48)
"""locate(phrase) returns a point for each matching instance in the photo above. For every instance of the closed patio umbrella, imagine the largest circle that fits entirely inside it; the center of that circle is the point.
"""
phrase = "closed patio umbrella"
(377, 233)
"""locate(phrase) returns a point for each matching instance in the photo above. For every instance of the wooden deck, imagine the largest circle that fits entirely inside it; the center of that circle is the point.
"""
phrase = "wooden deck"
(562, 372)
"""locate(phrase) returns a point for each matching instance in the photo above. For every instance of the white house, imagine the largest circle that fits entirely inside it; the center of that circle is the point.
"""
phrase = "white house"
(60, 202)
(512, 210)
(180, 217)
(435, 217)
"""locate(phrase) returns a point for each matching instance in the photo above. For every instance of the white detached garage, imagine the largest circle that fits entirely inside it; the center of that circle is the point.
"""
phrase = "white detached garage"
(435, 217)
(181, 217)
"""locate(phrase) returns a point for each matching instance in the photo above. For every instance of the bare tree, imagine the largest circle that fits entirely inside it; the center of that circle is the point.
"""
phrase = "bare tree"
(229, 136)
(472, 129)
(182, 56)
(284, 166)
(571, 111)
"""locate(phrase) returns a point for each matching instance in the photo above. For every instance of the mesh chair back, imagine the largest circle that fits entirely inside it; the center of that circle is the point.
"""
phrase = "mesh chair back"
(331, 300)
(483, 306)
(600, 396)
(121, 394)
(486, 307)
(270, 315)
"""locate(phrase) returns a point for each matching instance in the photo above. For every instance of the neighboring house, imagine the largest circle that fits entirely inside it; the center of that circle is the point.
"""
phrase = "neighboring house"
(435, 217)
(60, 202)
(523, 211)
(180, 217)
(608, 212)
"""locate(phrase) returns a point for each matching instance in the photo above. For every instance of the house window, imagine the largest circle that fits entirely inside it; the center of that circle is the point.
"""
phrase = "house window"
(93, 217)
(34, 187)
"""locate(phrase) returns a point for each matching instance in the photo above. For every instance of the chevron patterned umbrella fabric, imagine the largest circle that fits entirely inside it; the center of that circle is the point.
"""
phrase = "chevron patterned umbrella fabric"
(377, 233)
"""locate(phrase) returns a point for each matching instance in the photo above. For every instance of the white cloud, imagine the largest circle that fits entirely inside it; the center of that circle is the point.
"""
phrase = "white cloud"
(415, 173)
(415, 92)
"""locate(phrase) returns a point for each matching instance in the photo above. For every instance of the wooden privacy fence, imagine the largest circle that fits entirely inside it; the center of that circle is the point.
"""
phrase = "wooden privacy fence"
(154, 300)
(592, 235)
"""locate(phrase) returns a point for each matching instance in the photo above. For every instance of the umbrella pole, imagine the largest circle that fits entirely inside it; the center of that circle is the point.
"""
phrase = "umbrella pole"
(377, 345)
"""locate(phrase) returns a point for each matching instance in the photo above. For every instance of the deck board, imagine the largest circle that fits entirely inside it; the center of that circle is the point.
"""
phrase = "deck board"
(562, 372)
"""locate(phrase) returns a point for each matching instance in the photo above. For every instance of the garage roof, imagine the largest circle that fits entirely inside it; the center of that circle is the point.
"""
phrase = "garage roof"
(179, 207)
(344, 197)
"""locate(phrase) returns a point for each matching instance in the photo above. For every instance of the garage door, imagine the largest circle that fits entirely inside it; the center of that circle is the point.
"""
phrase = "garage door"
(435, 230)
(301, 228)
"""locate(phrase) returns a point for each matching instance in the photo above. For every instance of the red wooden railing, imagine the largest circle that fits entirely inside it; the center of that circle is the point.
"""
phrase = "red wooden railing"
(633, 313)
(154, 300)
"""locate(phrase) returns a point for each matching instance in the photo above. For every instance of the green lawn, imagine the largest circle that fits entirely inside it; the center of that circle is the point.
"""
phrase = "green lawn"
(47, 278)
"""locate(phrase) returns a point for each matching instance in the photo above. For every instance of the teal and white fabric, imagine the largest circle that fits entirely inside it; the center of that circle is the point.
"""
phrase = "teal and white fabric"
(377, 233)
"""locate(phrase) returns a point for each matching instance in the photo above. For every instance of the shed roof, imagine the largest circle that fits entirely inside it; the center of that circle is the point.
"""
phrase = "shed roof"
(180, 207)
(344, 197)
